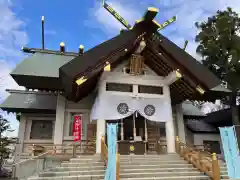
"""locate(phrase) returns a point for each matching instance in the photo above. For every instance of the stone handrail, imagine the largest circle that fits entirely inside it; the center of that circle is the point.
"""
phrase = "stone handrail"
(199, 159)
(52, 152)
(104, 152)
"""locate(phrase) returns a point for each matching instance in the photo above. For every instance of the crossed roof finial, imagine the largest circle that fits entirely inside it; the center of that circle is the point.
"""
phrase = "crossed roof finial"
(148, 17)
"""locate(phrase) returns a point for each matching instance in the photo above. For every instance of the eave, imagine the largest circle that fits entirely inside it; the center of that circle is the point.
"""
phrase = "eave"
(91, 63)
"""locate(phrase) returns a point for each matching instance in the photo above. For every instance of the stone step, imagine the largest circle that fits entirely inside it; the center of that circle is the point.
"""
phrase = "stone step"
(151, 158)
(159, 163)
(76, 177)
(84, 160)
(79, 168)
(199, 177)
(95, 156)
(158, 169)
(159, 174)
(150, 166)
(89, 164)
(71, 173)
(149, 155)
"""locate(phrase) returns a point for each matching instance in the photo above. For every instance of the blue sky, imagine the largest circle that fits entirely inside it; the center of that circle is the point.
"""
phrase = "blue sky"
(85, 22)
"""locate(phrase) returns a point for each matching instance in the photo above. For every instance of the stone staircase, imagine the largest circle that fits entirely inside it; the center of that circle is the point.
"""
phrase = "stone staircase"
(85, 167)
(162, 167)
(132, 167)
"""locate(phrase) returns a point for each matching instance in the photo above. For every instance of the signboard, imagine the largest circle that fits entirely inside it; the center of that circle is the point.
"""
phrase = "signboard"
(110, 173)
(116, 15)
(231, 151)
(77, 128)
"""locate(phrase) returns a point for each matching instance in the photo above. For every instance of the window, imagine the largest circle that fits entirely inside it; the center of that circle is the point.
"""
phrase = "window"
(119, 87)
(150, 89)
(212, 146)
(41, 129)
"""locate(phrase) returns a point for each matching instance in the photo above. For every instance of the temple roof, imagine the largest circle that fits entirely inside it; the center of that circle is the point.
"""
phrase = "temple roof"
(30, 102)
(60, 71)
(40, 71)
(199, 126)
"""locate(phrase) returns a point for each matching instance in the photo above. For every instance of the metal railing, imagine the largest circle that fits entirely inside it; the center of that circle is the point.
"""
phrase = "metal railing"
(58, 152)
(200, 158)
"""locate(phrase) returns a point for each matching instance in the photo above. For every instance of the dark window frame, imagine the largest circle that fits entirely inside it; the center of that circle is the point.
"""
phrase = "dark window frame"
(157, 90)
(116, 87)
(41, 123)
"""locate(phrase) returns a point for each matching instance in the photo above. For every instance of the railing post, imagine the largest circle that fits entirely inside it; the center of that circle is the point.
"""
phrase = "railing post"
(54, 150)
(117, 166)
(215, 167)
(74, 151)
(177, 141)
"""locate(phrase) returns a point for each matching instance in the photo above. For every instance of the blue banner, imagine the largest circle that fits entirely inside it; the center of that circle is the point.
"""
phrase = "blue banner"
(110, 173)
(231, 151)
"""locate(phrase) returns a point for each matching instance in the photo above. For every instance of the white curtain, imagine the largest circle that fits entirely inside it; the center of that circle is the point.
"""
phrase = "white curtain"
(106, 107)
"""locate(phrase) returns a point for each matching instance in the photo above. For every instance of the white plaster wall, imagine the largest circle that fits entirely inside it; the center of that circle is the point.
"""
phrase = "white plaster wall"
(199, 138)
(83, 108)
(85, 103)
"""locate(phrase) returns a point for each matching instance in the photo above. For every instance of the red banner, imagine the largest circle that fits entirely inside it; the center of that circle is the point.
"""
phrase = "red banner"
(77, 128)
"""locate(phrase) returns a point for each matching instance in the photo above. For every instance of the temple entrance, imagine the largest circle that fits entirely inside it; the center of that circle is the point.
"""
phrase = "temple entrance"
(137, 135)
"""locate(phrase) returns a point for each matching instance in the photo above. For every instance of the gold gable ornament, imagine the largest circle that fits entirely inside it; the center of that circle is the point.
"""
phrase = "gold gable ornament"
(81, 80)
(136, 64)
(107, 67)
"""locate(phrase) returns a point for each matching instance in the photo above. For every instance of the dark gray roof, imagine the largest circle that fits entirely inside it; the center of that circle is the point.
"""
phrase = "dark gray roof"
(39, 64)
(190, 110)
(220, 118)
(25, 101)
(199, 126)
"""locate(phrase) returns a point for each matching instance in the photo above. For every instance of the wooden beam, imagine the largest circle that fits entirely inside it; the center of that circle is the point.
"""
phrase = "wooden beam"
(150, 14)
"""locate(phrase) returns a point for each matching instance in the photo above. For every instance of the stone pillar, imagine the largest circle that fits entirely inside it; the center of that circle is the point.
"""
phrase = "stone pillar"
(180, 123)
(59, 123)
(21, 136)
(101, 126)
(169, 125)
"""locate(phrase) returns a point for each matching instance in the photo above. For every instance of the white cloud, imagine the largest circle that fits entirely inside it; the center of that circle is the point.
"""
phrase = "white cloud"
(101, 18)
(188, 12)
(12, 37)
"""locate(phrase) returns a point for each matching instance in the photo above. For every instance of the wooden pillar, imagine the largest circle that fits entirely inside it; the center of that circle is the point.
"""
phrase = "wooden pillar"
(134, 127)
(146, 134)
(122, 132)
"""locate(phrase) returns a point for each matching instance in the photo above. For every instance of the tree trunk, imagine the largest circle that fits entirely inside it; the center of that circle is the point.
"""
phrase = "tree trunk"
(235, 116)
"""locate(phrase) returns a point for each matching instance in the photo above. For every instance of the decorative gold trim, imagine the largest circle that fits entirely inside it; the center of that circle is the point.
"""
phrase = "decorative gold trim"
(178, 74)
(214, 156)
(155, 22)
(166, 23)
(81, 80)
(200, 90)
(177, 138)
(153, 9)
(139, 20)
(132, 148)
(107, 67)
